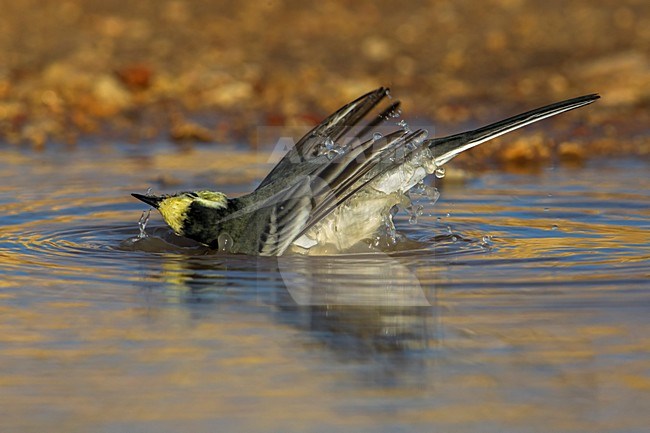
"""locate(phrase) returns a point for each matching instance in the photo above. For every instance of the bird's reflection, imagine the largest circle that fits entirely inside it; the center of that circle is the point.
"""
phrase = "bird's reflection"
(358, 306)
(384, 324)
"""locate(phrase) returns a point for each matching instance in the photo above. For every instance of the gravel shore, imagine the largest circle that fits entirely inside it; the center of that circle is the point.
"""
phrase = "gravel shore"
(218, 71)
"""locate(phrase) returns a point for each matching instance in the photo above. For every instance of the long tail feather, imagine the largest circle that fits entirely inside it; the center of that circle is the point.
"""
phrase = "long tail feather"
(447, 148)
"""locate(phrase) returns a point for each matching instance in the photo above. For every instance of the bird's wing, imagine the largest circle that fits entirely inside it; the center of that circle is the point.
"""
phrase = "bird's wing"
(277, 220)
(272, 223)
(316, 192)
(333, 128)
(341, 181)
(286, 219)
(338, 182)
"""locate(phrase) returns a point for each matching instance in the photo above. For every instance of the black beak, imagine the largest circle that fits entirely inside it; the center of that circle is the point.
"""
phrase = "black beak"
(151, 200)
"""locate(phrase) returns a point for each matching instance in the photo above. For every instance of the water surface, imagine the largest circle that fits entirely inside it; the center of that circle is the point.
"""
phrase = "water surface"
(519, 304)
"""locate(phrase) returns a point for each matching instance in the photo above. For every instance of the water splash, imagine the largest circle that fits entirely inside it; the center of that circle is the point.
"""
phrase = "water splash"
(440, 172)
(377, 136)
(415, 142)
(397, 112)
(405, 126)
(422, 199)
(414, 212)
(142, 223)
(387, 236)
(330, 148)
(486, 243)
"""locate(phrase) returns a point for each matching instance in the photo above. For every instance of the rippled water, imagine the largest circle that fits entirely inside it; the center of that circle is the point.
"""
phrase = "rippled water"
(520, 304)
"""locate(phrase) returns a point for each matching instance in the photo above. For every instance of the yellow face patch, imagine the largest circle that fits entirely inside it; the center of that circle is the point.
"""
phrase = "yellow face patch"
(174, 209)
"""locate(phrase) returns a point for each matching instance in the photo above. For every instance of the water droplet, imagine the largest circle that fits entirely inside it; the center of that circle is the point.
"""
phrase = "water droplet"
(387, 234)
(440, 172)
(554, 227)
(454, 238)
(433, 193)
(422, 199)
(225, 242)
(418, 188)
(388, 95)
(395, 113)
(149, 192)
(330, 149)
(438, 219)
(413, 219)
(487, 239)
(376, 136)
(402, 124)
(391, 231)
(142, 223)
(449, 230)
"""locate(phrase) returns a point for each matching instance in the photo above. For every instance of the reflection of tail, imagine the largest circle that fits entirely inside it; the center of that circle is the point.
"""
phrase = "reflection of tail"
(446, 148)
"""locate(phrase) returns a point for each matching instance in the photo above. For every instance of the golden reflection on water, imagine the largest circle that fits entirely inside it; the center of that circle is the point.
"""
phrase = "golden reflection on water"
(458, 362)
(545, 330)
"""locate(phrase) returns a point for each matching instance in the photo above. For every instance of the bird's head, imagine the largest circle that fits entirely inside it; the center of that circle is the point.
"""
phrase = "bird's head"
(177, 209)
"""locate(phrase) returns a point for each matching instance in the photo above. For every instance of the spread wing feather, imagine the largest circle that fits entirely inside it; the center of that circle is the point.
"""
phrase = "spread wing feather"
(333, 128)
(286, 220)
(319, 185)
(351, 176)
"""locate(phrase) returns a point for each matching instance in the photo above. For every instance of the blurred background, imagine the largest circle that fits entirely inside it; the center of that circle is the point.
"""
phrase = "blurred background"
(216, 71)
(536, 282)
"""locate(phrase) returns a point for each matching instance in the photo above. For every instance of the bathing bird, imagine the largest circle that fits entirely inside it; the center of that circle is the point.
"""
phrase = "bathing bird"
(336, 187)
